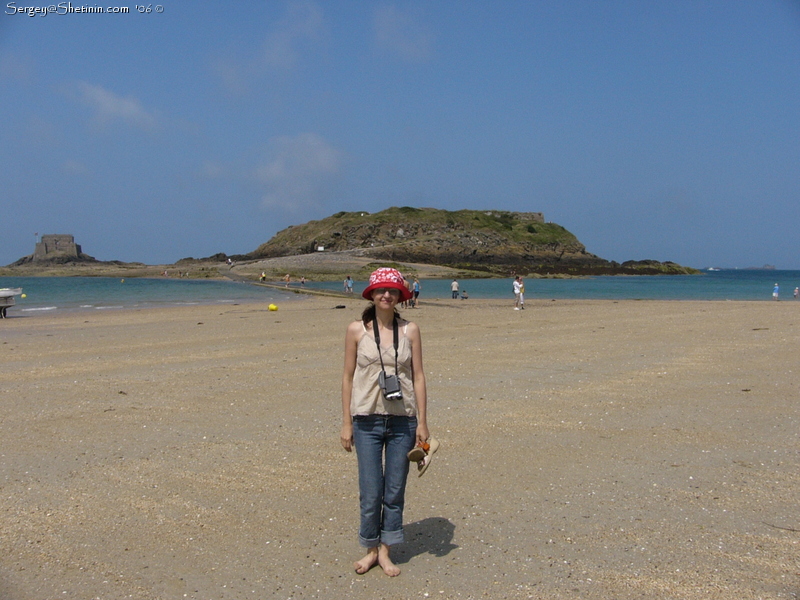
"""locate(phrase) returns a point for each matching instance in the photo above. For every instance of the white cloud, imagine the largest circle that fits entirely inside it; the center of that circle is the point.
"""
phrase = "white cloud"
(213, 170)
(402, 34)
(302, 22)
(232, 74)
(109, 107)
(298, 172)
(74, 167)
(286, 40)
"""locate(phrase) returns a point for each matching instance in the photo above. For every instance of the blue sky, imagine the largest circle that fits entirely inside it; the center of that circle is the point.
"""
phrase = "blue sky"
(663, 130)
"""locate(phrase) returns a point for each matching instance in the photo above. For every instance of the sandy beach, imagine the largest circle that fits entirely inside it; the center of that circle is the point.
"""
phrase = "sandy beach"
(590, 449)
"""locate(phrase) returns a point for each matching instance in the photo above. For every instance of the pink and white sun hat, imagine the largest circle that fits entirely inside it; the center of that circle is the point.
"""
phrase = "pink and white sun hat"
(386, 277)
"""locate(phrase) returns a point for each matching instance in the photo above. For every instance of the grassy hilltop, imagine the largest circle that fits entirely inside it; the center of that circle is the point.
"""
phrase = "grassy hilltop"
(490, 241)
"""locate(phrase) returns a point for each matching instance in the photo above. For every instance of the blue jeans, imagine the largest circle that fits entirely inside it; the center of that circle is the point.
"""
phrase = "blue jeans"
(382, 442)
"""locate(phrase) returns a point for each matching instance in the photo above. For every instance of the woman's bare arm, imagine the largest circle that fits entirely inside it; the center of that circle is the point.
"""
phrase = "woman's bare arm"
(420, 387)
(351, 338)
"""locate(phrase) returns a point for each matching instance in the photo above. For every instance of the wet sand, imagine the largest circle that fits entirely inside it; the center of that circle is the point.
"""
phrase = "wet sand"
(590, 449)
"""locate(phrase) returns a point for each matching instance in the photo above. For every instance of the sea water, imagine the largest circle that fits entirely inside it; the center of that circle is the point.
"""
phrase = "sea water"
(738, 284)
(44, 294)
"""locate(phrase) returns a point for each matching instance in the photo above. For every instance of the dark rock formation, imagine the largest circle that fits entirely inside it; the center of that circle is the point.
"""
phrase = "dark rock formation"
(492, 240)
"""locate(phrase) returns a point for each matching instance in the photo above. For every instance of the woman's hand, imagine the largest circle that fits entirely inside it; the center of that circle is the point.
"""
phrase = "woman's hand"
(347, 436)
(422, 434)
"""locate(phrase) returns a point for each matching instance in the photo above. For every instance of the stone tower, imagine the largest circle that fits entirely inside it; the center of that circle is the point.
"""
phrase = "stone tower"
(56, 246)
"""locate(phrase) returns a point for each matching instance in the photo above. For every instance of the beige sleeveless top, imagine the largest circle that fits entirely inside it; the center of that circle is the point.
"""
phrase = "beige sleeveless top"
(367, 397)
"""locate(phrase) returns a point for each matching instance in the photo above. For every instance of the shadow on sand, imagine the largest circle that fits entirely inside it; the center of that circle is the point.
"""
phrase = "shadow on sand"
(433, 535)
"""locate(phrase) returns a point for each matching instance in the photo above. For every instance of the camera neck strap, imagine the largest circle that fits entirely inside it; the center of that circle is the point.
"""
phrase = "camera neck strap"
(378, 341)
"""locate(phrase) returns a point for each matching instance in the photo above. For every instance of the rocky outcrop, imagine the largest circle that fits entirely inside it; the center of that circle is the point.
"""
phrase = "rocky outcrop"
(58, 249)
(492, 240)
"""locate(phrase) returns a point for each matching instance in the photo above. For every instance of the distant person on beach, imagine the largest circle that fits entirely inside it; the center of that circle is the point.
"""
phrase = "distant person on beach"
(415, 289)
(776, 292)
(348, 285)
(263, 276)
(407, 285)
(464, 295)
(521, 294)
(516, 287)
(796, 293)
(303, 280)
(454, 289)
(383, 417)
(287, 279)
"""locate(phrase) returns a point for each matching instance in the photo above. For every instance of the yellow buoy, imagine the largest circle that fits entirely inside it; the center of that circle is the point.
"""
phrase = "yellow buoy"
(122, 281)
(24, 296)
(273, 307)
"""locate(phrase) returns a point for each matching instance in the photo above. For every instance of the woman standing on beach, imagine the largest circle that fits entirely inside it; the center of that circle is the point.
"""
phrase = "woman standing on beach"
(384, 413)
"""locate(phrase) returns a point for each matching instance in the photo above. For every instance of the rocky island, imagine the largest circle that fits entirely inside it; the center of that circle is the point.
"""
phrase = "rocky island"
(428, 242)
(487, 243)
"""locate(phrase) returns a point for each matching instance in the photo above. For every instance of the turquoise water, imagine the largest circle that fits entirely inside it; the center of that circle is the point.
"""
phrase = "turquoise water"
(45, 294)
(713, 285)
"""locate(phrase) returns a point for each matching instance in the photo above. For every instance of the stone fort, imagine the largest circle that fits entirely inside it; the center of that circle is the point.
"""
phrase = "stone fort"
(56, 245)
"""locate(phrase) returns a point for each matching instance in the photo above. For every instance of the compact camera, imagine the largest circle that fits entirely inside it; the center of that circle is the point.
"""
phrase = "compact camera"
(390, 386)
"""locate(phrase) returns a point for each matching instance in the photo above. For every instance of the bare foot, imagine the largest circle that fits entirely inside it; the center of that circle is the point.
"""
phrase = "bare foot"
(391, 569)
(366, 563)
